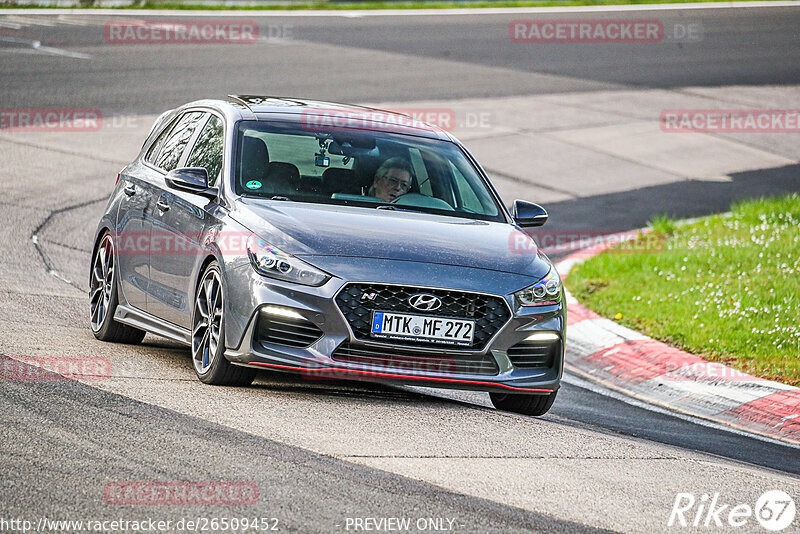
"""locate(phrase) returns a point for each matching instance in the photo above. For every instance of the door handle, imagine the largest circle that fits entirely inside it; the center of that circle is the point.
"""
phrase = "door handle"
(130, 190)
(162, 206)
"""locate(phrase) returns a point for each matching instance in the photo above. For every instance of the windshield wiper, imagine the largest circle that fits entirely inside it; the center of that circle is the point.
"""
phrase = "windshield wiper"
(398, 208)
(394, 208)
(279, 197)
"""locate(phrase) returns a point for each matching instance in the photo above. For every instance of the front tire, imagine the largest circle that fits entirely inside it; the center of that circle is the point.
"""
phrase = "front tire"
(524, 404)
(103, 298)
(208, 334)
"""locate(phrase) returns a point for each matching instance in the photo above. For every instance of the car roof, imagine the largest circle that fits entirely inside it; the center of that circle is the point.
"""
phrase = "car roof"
(328, 113)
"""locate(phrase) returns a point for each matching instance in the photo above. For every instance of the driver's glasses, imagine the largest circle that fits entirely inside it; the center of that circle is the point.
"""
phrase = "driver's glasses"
(396, 183)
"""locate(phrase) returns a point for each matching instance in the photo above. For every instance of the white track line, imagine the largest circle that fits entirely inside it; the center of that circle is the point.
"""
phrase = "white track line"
(71, 21)
(25, 21)
(60, 52)
(36, 46)
(404, 12)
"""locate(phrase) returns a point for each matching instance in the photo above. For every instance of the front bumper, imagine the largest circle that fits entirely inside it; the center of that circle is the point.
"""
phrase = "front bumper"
(446, 367)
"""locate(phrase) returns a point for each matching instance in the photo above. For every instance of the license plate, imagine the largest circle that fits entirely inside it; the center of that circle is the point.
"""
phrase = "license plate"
(421, 328)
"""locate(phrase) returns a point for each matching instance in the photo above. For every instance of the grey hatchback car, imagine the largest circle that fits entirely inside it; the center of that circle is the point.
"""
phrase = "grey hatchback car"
(331, 241)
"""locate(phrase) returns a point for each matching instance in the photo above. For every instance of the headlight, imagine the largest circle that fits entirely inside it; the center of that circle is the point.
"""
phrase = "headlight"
(273, 262)
(545, 292)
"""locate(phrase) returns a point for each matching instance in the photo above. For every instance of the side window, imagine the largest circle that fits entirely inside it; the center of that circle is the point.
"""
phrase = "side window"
(173, 147)
(153, 151)
(207, 151)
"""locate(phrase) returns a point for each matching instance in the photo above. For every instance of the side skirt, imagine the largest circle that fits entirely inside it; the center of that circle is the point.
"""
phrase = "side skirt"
(144, 321)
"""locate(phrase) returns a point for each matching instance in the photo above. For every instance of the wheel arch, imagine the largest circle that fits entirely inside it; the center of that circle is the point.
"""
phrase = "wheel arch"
(203, 266)
(211, 256)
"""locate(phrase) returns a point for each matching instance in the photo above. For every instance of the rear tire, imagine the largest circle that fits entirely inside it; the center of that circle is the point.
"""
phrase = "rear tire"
(103, 298)
(524, 404)
(208, 334)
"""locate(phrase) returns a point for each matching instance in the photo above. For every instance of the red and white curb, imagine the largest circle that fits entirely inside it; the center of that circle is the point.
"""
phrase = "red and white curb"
(621, 359)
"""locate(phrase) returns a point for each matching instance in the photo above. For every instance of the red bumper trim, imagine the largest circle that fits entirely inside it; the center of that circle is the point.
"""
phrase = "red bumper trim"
(404, 377)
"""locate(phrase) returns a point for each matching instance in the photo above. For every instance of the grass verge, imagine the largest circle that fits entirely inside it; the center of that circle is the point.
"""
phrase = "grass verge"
(293, 6)
(726, 288)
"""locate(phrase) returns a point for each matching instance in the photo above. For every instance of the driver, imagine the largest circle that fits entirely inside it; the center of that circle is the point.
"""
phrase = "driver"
(392, 179)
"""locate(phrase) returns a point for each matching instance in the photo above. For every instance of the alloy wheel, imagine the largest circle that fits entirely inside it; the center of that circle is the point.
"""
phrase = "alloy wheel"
(102, 282)
(207, 325)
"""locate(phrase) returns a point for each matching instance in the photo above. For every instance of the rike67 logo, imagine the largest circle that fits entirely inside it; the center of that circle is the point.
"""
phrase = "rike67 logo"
(774, 510)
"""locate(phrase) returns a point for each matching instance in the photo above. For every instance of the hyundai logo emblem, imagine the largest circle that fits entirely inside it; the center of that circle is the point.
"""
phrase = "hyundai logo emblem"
(425, 301)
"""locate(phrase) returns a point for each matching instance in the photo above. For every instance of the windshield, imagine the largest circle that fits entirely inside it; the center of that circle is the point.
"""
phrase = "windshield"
(360, 168)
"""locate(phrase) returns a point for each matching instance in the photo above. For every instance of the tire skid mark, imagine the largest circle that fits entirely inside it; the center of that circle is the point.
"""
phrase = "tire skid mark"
(34, 237)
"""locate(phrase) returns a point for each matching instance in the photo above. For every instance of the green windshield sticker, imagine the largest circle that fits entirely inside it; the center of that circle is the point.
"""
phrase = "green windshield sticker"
(253, 184)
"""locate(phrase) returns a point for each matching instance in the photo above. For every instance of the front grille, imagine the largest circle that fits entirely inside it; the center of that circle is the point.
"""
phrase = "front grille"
(411, 362)
(530, 354)
(286, 332)
(490, 313)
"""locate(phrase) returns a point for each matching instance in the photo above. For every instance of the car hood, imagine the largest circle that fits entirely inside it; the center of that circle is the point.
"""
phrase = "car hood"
(304, 229)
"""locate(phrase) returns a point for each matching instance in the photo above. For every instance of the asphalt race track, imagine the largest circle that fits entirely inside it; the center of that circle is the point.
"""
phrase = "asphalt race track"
(423, 57)
(325, 453)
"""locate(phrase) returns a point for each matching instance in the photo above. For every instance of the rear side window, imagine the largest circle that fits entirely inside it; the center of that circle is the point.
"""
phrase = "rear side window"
(153, 151)
(170, 153)
(207, 151)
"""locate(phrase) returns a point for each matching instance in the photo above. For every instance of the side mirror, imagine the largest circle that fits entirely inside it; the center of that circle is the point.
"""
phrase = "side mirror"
(192, 179)
(528, 214)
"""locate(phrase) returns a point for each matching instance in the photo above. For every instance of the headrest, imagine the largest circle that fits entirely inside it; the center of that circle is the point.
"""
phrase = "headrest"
(284, 171)
(255, 160)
